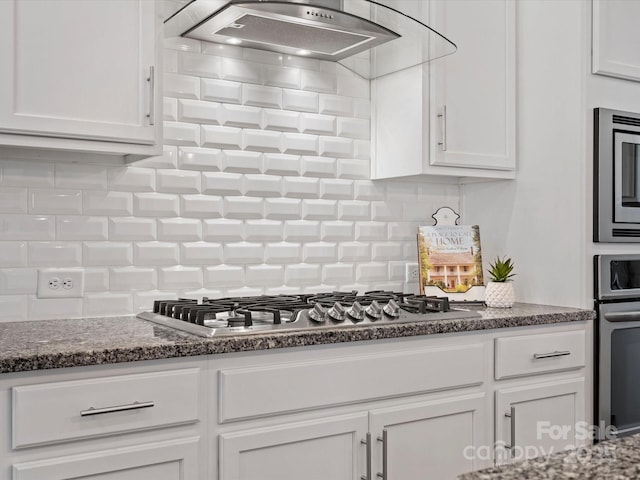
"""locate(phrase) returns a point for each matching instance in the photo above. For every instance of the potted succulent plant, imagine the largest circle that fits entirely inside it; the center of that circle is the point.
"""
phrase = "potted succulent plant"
(499, 291)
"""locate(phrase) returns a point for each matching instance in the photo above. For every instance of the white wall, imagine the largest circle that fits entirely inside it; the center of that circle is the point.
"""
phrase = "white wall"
(539, 218)
(263, 189)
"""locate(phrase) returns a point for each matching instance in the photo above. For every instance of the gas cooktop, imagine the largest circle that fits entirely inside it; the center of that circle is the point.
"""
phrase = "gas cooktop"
(282, 313)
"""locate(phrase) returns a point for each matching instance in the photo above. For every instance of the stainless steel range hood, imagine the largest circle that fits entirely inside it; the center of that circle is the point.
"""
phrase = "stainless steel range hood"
(370, 37)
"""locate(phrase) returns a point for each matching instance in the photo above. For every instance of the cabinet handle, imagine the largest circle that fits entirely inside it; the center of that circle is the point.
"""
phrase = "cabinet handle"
(551, 354)
(383, 439)
(512, 417)
(117, 408)
(367, 442)
(443, 119)
(152, 95)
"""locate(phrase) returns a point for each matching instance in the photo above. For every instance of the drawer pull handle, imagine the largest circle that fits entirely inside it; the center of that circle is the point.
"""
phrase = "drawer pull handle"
(512, 416)
(151, 116)
(117, 408)
(552, 354)
(367, 442)
(385, 444)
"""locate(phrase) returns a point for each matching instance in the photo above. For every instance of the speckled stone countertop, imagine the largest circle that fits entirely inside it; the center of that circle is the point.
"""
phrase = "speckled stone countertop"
(612, 460)
(47, 344)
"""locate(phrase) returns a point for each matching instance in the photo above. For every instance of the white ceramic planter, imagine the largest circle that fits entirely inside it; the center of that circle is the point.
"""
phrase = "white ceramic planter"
(499, 294)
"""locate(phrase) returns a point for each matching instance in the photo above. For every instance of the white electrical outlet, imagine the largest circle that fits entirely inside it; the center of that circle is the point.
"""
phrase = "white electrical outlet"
(412, 273)
(60, 283)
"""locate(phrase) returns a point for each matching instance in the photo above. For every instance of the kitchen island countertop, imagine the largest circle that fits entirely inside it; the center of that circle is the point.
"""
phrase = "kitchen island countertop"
(617, 459)
(45, 344)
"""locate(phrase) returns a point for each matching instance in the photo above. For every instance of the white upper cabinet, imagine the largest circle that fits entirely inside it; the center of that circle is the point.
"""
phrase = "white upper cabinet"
(616, 37)
(456, 115)
(80, 70)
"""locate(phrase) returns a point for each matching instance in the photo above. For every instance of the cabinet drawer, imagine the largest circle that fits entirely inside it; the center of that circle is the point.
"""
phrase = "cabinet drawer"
(259, 391)
(533, 354)
(62, 411)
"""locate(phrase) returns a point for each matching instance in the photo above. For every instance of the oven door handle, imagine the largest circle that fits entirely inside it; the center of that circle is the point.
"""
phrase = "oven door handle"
(622, 316)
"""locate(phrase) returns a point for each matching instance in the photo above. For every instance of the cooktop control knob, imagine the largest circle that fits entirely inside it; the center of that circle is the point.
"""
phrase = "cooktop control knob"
(392, 309)
(318, 313)
(356, 312)
(337, 312)
(374, 311)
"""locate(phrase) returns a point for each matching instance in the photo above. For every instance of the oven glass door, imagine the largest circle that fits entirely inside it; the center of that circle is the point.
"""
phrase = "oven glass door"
(627, 177)
(625, 381)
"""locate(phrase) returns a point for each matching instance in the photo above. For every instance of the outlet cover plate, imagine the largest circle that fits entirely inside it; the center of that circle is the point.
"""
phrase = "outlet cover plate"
(60, 283)
(412, 273)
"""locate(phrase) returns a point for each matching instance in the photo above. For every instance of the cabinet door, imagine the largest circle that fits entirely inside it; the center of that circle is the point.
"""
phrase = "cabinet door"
(173, 460)
(439, 439)
(536, 420)
(315, 450)
(78, 69)
(472, 107)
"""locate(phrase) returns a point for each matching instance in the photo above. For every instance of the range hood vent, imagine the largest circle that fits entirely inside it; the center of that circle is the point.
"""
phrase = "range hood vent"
(368, 37)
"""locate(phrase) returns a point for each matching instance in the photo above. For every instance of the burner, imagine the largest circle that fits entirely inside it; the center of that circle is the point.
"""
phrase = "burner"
(238, 315)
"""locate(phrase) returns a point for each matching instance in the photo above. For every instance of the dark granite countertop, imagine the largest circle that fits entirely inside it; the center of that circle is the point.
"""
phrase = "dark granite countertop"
(612, 460)
(44, 344)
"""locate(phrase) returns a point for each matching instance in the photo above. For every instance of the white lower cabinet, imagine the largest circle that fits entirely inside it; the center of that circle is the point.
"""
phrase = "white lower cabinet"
(328, 448)
(174, 460)
(538, 419)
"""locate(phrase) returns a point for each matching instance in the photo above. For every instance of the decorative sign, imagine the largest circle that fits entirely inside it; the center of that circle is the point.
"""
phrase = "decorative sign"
(450, 258)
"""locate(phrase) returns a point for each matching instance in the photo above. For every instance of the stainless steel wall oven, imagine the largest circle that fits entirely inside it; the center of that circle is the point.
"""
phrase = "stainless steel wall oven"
(616, 179)
(617, 372)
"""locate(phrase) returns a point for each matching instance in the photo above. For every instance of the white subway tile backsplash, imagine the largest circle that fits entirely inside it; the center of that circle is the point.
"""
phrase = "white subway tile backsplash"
(44, 308)
(299, 143)
(371, 231)
(216, 183)
(14, 281)
(386, 211)
(170, 59)
(180, 133)
(241, 116)
(373, 272)
(282, 252)
(55, 201)
(131, 179)
(215, 136)
(261, 275)
(260, 96)
(85, 177)
(319, 209)
(181, 86)
(81, 228)
(201, 253)
(368, 190)
(237, 161)
(362, 108)
(300, 101)
(127, 279)
(106, 254)
(275, 164)
(179, 229)
(323, 82)
(26, 174)
(96, 279)
(243, 252)
(220, 50)
(337, 231)
(13, 200)
(178, 181)
(319, 167)
(302, 274)
(262, 140)
(132, 228)
(156, 204)
(189, 63)
(362, 150)
(155, 253)
(14, 308)
(403, 230)
(336, 147)
(353, 86)
(319, 252)
(385, 251)
(243, 207)
(241, 71)
(335, 105)
(179, 277)
(201, 206)
(316, 124)
(182, 44)
(339, 273)
(354, 251)
(264, 230)
(224, 276)
(302, 231)
(261, 56)
(143, 301)
(356, 169)
(353, 210)
(27, 227)
(106, 304)
(262, 185)
(200, 159)
(301, 62)
(168, 159)
(357, 128)
(13, 254)
(337, 189)
(282, 120)
(301, 187)
(198, 111)
(107, 203)
(223, 230)
(282, 77)
(221, 91)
